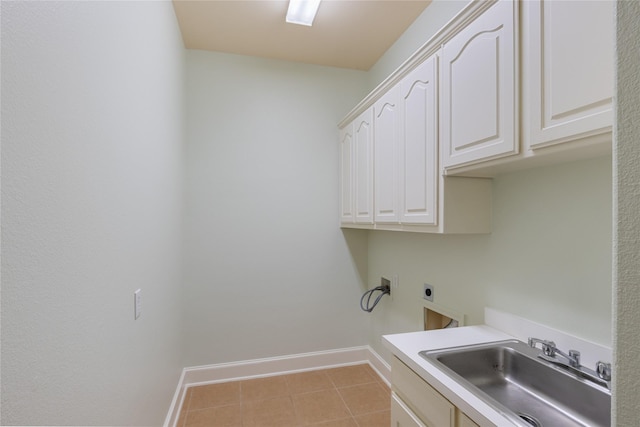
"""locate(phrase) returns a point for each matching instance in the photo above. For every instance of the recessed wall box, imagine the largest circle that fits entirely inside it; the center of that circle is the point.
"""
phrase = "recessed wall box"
(436, 317)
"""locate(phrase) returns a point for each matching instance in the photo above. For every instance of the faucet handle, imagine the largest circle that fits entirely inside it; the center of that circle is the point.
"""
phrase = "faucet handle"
(603, 370)
(574, 358)
(548, 347)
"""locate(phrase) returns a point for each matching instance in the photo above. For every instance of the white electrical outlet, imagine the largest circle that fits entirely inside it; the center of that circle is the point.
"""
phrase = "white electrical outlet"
(137, 303)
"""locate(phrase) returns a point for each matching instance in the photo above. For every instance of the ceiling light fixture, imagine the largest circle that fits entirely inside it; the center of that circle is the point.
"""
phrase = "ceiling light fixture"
(302, 12)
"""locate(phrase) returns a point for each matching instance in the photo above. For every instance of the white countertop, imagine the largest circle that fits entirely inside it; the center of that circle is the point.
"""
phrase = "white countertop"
(407, 347)
(499, 326)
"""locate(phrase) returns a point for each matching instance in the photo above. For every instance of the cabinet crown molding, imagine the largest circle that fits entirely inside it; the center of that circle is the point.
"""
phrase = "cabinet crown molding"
(470, 12)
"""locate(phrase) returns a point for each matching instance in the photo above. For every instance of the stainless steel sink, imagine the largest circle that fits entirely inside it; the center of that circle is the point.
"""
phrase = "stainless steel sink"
(509, 376)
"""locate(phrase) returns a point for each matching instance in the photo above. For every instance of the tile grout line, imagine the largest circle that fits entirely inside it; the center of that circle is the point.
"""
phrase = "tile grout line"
(290, 397)
(296, 413)
(353, 416)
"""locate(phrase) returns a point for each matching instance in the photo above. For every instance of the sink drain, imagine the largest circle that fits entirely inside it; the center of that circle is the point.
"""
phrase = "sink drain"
(529, 419)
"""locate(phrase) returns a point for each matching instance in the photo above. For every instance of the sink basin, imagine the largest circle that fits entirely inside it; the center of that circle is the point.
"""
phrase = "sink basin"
(529, 391)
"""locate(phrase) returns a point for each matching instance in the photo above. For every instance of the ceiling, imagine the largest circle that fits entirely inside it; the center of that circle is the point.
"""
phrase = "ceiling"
(345, 33)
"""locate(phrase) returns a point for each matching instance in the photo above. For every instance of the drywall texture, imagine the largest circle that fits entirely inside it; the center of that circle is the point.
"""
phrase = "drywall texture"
(627, 226)
(548, 258)
(430, 21)
(268, 271)
(92, 131)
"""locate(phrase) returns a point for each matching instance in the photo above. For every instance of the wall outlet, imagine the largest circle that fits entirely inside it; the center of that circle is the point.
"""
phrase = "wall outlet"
(395, 281)
(427, 292)
(137, 303)
(394, 285)
(386, 283)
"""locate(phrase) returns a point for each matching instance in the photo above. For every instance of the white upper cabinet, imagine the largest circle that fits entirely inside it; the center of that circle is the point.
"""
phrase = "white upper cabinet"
(347, 204)
(419, 145)
(394, 149)
(567, 70)
(363, 167)
(356, 170)
(416, 151)
(386, 142)
(478, 89)
(406, 149)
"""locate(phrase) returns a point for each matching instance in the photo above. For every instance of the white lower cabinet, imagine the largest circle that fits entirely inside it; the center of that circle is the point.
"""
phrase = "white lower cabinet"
(415, 403)
(464, 421)
(401, 415)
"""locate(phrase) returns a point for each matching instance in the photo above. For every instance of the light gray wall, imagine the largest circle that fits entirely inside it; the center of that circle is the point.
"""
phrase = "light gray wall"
(627, 216)
(92, 131)
(548, 258)
(268, 271)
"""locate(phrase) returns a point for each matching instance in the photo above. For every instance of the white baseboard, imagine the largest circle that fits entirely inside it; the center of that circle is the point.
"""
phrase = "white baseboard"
(211, 374)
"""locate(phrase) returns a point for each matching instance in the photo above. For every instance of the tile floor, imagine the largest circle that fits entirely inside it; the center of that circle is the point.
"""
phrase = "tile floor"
(350, 396)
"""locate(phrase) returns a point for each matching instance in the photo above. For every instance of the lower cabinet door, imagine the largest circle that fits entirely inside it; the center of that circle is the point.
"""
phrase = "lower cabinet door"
(464, 421)
(426, 402)
(401, 415)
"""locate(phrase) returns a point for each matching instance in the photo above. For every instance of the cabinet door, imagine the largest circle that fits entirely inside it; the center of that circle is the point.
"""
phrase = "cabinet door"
(363, 169)
(464, 420)
(568, 69)
(425, 401)
(386, 142)
(401, 415)
(419, 145)
(478, 88)
(346, 175)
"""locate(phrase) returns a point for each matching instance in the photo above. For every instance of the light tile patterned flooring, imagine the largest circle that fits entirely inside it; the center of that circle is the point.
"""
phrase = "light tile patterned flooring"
(350, 396)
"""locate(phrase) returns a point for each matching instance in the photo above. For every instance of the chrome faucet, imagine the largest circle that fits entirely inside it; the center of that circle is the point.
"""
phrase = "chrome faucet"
(549, 352)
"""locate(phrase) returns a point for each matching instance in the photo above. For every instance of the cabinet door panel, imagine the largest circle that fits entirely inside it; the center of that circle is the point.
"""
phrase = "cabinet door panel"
(401, 415)
(419, 139)
(569, 69)
(386, 142)
(465, 421)
(363, 140)
(346, 177)
(479, 89)
(472, 125)
(430, 406)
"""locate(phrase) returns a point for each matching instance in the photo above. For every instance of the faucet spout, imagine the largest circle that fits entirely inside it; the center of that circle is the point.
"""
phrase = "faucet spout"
(550, 350)
(573, 357)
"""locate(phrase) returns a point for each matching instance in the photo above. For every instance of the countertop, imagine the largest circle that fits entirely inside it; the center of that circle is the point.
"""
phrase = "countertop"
(407, 346)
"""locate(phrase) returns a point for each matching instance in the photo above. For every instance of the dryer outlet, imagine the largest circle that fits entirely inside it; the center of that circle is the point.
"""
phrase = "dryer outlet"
(427, 292)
